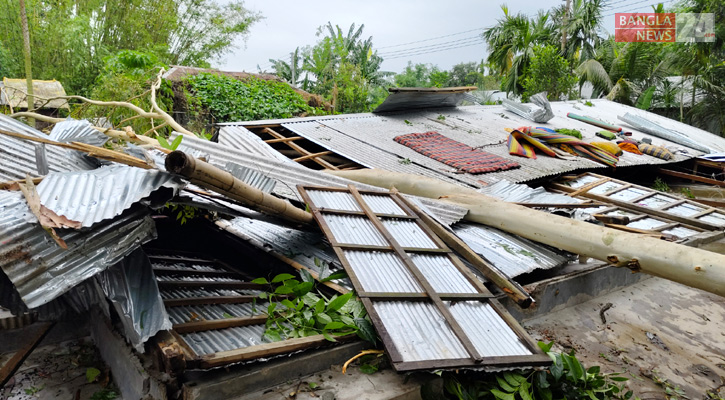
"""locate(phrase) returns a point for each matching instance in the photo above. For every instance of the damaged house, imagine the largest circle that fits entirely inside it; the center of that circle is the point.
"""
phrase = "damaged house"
(429, 229)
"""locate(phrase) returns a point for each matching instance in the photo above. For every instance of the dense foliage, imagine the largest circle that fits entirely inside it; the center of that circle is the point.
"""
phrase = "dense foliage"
(549, 72)
(70, 40)
(228, 99)
(296, 310)
(567, 378)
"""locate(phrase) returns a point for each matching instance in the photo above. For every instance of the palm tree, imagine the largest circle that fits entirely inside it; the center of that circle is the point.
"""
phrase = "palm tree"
(582, 28)
(289, 71)
(511, 43)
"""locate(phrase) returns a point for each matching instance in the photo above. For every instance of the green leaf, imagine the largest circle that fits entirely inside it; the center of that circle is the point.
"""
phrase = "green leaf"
(337, 303)
(92, 374)
(271, 308)
(272, 335)
(540, 379)
(511, 379)
(287, 303)
(645, 99)
(347, 321)
(323, 319)
(227, 315)
(366, 330)
(283, 290)
(557, 368)
(306, 276)
(505, 385)
(313, 385)
(333, 326)
(524, 391)
(501, 395)
(545, 347)
(593, 370)
(545, 394)
(320, 306)
(618, 379)
(163, 142)
(328, 337)
(334, 276)
(302, 288)
(175, 144)
(282, 277)
(368, 369)
(260, 281)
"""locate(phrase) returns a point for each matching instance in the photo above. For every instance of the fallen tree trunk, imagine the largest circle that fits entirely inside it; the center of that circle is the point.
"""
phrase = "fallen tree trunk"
(690, 266)
(206, 175)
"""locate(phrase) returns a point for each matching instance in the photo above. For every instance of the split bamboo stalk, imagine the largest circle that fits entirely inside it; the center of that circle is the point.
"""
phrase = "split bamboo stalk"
(493, 274)
(689, 266)
(206, 175)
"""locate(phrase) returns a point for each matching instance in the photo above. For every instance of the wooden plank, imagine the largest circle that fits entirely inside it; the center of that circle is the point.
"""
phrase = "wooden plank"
(511, 288)
(641, 209)
(562, 205)
(312, 155)
(267, 350)
(619, 189)
(422, 281)
(299, 149)
(362, 214)
(11, 366)
(507, 361)
(212, 284)
(207, 325)
(589, 186)
(283, 140)
(194, 301)
(692, 177)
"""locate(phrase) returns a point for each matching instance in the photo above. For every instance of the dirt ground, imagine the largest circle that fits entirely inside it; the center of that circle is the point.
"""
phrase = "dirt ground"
(670, 339)
(59, 371)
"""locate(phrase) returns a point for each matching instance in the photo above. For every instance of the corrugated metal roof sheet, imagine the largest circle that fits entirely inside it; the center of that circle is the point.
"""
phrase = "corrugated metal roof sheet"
(289, 175)
(77, 131)
(41, 270)
(519, 193)
(240, 138)
(251, 177)
(511, 254)
(406, 99)
(214, 341)
(354, 136)
(419, 333)
(18, 157)
(103, 193)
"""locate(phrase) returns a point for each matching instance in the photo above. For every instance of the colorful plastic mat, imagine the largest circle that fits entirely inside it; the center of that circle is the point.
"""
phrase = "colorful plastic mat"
(456, 154)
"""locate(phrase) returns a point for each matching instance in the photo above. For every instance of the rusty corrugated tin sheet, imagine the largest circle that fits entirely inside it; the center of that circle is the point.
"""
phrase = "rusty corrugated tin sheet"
(41, 270)
(93, 196)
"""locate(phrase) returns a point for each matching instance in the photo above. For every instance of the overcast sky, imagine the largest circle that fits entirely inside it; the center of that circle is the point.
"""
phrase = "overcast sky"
(443, 33)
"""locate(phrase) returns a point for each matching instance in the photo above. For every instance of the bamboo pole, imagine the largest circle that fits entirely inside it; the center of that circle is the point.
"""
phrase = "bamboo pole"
(215, 179)
(690, 266)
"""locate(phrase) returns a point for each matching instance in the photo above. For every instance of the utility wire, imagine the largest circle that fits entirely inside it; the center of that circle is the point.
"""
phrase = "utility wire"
(436, 51)
(430, 39)
(394, 52)
(637, 8)
(433, 48)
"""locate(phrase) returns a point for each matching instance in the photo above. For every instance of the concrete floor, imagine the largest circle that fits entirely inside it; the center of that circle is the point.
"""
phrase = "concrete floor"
(655, 330)
(57, 371)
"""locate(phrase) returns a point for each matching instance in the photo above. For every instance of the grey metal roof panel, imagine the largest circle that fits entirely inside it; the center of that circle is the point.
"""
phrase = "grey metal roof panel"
(183, 314)
(289, 175)
(381, 272)
(480, 127)
(103, 193)
(214, 341)
(77, 131)
(419, 331)
(240, 138)
(509, 253)
(18, 157)
(251, 177)
(355, 230)
(418, 100)
(484, 326)
(408, 233)
(41, 270)
(519, 193)
(442, 274)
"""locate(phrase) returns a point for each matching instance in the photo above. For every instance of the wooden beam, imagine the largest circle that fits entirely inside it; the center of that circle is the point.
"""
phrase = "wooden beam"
(212, 284)
(284, 140)
(299, 149)
(12, 365)
(563, 205)
(641, 209)
(207, 325)
(511, 288)
(312, 155)
(267, 350)
(193, 301)
(691, 177)
(589, 186)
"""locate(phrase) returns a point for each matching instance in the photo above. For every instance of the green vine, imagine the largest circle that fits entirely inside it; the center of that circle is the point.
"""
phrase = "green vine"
(295, 310)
